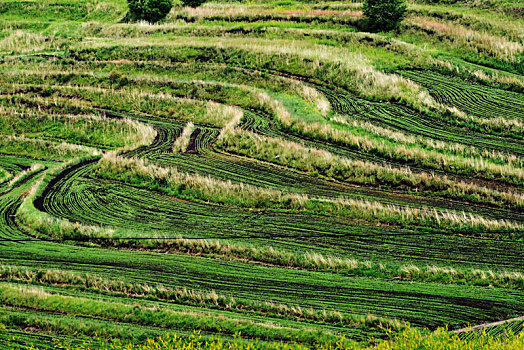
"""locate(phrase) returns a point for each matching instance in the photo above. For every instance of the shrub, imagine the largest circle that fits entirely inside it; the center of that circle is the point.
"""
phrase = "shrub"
(384, 15)
(151, 11)
(193, 3)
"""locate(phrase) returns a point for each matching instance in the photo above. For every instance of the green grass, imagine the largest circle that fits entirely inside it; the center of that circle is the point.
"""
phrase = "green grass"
(479, 100)
(371, 179)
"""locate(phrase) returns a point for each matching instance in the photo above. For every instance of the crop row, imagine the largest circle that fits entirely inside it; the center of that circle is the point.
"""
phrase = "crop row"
(448, 303)
(381, 147)
(171, 181)
(183, 296)
(494, 167)
(77, 197)
(472, 98)
(313, 161)
(402, 119)
(38, 299)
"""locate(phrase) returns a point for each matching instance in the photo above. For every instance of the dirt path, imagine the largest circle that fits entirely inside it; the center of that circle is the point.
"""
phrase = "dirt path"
(485, 325)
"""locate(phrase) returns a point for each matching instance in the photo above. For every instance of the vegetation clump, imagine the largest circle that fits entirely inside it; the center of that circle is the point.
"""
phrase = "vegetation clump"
(193, 3)
(151, 11)
(384, 15)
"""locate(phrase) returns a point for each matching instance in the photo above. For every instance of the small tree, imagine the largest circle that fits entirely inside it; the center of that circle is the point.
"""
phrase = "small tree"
(193, 3)
(151, 11)
(384, 15)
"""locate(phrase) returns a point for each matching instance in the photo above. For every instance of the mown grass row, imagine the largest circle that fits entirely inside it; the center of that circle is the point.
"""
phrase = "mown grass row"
(453, 128)
(18, 340)
(321, 162)
(184, 296)
(494, 156)
(38, 299)
(479, 74)
(193, 272)
(375, 143)
(485, 165)
(506, 330)
(140, 173)
(79, 198)
(478, 100)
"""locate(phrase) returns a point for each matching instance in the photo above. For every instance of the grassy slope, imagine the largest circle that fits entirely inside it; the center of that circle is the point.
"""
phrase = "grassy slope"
(56, 26)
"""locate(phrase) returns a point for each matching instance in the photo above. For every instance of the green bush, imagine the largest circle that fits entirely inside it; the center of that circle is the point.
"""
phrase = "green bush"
(384, 15)
(149, 10)
(193, 3)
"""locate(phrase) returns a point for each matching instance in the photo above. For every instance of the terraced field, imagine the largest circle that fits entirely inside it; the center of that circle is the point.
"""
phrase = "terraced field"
(264, 174)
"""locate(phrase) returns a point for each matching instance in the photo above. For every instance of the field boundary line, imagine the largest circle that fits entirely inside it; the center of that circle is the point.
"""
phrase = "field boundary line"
(486, 325)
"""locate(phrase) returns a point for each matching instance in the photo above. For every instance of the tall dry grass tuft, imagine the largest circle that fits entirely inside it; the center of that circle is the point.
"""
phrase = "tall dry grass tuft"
(24, 174)
(20, 41)
(481, 42)
(235, 115)
(181, 143)
(315, 97)
(499, 123)
(141, 135)
(223, 115)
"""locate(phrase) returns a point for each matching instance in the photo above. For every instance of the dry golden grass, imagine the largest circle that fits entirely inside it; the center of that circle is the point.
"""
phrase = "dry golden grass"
(481, 41)
(180, 144)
